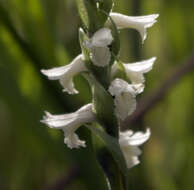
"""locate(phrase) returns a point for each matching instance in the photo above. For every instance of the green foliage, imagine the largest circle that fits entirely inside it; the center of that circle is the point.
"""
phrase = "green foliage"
(88, 12)
(112, 145)
(105, 114)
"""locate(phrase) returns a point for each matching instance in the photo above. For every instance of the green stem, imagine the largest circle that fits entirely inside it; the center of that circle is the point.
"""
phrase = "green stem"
(99, 81)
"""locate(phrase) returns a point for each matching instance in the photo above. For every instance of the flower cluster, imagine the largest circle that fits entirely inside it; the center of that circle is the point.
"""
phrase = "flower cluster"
(123, 92)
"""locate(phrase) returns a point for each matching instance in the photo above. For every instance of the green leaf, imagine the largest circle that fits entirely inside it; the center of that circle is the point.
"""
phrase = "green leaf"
(83, 12)
(83, 38)
(89, 15)
(103, 105)
(105, 6)
(115, 34)
(112, 145)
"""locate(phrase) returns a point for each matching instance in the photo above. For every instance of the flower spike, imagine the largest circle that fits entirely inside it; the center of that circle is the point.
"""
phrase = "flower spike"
(69, 123)
(129, 142)
(66, 73)
(139, 23)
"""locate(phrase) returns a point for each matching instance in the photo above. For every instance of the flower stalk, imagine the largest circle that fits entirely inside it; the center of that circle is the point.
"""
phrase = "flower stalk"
(114, 86)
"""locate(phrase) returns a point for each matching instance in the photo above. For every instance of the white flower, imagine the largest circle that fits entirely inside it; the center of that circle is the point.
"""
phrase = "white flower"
(129, 142)
(125, 102)
(66, 73)
(98, 45)
(69, 123)
(135, 71)
(140, 23)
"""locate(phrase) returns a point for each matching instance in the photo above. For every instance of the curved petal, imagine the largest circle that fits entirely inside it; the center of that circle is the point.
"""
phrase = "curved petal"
(140, 23)
(135, 71)
(141, 66)
(139, 138)
(70, 122)
(66, 73)
(128, 138)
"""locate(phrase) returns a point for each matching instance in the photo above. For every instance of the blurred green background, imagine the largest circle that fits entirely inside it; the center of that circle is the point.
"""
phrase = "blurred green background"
(37, 34)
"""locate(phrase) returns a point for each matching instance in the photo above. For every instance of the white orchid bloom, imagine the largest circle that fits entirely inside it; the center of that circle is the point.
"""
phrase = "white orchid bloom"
(69, 123)
(139, 23)
(66, 73)
(135, 71)
(125, 102)
(98, 45)
(129, 142)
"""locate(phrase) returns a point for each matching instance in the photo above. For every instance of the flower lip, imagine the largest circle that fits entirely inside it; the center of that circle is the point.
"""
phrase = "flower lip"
(119, 86)
(125, 102)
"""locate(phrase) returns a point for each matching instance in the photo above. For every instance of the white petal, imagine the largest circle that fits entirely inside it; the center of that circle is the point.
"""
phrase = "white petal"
(133, 161)
(125, 105)
(119, 86)
(140, 23)
(59, 121)
(73, 141)
(128, 138)
(129, 142)
(139, 138)
(69, 124)
(125, 102)
(102, 38)
(66, 73)
(142, 66)
(100, 56)
(135, 71)
(139, 88)
(65, 121)
(131, 156)
(68, 85)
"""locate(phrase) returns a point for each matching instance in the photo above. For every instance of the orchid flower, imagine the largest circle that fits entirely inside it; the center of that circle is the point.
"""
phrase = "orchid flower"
(135, 71)
(98, 45)
(69, 123)
(129, 142)
(125, 102)
(139, 23)
(66, 73)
